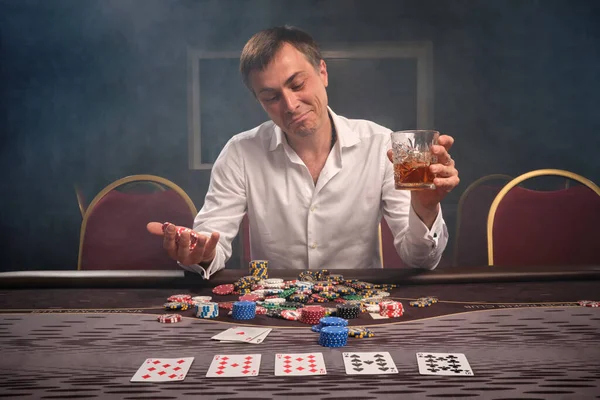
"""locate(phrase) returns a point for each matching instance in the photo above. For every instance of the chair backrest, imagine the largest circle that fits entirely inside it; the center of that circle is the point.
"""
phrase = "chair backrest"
(530, 227)
(470, 240)
(113, 231)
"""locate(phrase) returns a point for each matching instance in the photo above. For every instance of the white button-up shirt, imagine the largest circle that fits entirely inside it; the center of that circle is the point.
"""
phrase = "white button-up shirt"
(295, 223)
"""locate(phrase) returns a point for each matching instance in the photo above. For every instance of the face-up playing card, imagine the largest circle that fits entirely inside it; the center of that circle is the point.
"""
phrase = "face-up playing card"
(374, 363)
(244, 334)
(299, 364)
(228, 365)
(163, 370)
(443, 364)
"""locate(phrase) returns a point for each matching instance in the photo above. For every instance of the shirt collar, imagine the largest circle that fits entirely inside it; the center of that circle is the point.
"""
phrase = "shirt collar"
(346, 136)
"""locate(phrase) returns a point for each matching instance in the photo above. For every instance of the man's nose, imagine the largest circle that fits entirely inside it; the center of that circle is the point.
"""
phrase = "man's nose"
(290, 100)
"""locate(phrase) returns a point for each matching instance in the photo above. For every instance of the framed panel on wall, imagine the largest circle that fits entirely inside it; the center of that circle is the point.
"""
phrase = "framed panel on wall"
(388, 83)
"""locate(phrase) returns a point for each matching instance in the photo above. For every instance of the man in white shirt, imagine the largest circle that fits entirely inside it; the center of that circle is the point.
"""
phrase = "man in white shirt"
(314, 184)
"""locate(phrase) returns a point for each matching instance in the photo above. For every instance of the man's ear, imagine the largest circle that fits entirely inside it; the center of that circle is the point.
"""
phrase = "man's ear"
(323, 73)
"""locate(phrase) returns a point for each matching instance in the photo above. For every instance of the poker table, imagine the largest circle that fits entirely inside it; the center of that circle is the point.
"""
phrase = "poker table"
(83, 335)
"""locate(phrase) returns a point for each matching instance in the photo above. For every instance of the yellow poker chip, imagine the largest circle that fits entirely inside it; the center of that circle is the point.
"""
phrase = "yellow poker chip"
(419, 303)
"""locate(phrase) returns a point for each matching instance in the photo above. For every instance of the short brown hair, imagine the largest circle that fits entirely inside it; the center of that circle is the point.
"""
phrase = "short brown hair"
(262, 47)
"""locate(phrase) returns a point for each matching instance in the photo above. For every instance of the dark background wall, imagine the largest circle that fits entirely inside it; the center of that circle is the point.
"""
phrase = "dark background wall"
(93, 91)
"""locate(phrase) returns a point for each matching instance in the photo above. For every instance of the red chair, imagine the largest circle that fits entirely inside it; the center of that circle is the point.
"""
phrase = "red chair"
(470, 240)
(113, 231)
(530, 227)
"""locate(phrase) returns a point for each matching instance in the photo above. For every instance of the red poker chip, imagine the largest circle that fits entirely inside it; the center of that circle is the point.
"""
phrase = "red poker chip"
(261, 310)
(226, 305)
(180, 297)
(169, 318)
(291, 315)
(589, 303)
(223, 290)
(249, 297)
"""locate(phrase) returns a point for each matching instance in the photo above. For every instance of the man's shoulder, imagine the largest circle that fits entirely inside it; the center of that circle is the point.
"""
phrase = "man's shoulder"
(363, 128)
(260, 133)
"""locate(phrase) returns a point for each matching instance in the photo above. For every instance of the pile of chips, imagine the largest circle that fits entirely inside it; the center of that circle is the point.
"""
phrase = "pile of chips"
(348, 310)
(243, 310)
(180, 230)
(259, 269)
(360, 332)
(391, 309)
(588, 303)
(169, 318)
(424, 301)
(329, 321)
(311, 314)
(207, 310)
(333, 336)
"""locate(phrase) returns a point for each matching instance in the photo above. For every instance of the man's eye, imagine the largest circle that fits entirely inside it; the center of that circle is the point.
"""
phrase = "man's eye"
(298, 86)
(270, 99)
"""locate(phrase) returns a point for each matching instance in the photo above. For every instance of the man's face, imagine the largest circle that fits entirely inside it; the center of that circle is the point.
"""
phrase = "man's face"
(292, 92)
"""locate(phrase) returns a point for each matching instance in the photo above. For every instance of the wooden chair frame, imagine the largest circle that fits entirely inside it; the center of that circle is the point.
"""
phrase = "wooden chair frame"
(120, 182)
(517, 181)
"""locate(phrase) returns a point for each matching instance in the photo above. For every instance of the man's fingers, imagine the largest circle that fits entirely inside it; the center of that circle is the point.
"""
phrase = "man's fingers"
(390, 155)
(169, 241)
(446, 184)
(210, 246)
(183, 248)
(446, 141)
(155, 228)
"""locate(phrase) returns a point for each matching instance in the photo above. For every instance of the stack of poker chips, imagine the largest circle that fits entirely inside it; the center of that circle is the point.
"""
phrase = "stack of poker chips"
(348, 311)
(333, 336)
(207, 310)
(424, 301)
(244, 284)
(180, 230)
(588, 303)
(391, 309)
(329, 321)
(259, 269)
(360, 332)
(311, 314)
(169, 318)
(243, 310)
(176, 305)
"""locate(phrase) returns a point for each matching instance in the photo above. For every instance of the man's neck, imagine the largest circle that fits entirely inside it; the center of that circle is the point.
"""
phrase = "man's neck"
(315, 145)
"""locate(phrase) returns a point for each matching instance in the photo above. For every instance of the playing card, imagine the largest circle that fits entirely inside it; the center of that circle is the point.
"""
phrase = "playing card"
(163, 370)
(228, 365)
(299, 364)
(244, 334)
(443, 364)
(373, 363)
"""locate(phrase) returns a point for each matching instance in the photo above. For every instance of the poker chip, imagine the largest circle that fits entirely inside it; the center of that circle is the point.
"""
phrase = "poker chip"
(169, 318)
(179, 298)
(227, 305)
(391, 309)
(243, 310)
(176, 305)
(274, 300)
(201, 299)
(420, 303)
(249, 297)
(311, 314)
(589, 303)
(291, 315)
(348, 311)
(207, 310)
(180, 230)
(259, 268)
(223, 290)
(261, 310)
(360, 332)
(333, 336)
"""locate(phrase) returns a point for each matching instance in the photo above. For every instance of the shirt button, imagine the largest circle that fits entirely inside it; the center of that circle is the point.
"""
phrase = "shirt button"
(313, 208)
(314, 245)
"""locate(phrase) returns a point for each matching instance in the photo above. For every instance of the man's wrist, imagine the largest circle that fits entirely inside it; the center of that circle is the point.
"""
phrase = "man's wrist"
(426, 215)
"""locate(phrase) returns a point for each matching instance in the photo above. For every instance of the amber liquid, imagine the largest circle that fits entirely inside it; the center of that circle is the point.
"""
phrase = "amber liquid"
(413, 176)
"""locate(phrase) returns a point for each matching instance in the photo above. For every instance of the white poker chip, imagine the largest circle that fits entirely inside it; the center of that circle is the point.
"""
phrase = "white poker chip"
(202, 299)
(272, 281)
(276, 300)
